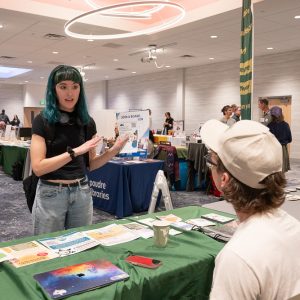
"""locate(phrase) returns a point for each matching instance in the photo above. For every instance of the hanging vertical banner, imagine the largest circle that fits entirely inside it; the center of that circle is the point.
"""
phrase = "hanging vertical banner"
(246, 60)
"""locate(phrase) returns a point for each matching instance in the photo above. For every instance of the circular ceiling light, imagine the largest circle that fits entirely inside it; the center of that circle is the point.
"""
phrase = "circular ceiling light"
(142, 14)
(145, 12)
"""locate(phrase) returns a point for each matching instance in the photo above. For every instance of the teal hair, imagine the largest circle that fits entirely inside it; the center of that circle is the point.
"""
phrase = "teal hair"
(51, 112)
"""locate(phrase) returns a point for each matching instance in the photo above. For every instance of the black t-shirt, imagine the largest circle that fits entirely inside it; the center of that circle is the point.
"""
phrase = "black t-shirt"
(68, 134)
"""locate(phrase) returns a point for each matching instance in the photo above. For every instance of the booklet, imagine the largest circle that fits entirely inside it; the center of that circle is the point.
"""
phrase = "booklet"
(224, 231)
(182, 225)
(217, 218)
(139, 229)
(75, 279)
(69, 243)
(149, 221)
(199, 222)
(29, 253)
(112, 235)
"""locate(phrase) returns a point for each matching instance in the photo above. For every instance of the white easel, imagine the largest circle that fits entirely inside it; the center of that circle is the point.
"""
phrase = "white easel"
(160, 184)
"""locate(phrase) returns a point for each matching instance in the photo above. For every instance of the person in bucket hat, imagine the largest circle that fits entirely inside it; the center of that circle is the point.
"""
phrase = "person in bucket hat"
(261, 260)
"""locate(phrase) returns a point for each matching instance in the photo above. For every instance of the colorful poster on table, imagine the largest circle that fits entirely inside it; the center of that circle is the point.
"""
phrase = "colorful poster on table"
(246, 60)
(136, 125)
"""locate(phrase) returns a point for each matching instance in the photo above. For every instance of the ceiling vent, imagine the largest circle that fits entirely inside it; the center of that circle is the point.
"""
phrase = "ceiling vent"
(187, 56)
(54, 37)
(5, 57)
(120, 69)
(55, 63)
(112, 45)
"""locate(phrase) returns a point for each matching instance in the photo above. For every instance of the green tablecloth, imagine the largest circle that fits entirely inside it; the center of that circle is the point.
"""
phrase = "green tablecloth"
(9, 155)
(186, 273)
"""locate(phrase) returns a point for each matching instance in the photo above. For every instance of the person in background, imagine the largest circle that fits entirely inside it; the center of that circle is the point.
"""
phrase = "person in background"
(4, 120)
(227, 112)
(261, 260)
(282, 132)
(263, 105)
(63, 199)
(168, 124)
(15, 121)
(236, 112)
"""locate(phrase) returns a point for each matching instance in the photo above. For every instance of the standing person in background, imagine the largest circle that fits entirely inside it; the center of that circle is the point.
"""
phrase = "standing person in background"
(263, 105)
(282, 132)
(261, 260)
(227, 112)
(15, 121)
(236, 112)
(63, 199)
(168, 124)
(4, 120)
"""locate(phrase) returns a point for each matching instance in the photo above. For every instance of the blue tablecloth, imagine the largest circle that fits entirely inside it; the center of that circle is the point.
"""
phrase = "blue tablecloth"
(121, 189)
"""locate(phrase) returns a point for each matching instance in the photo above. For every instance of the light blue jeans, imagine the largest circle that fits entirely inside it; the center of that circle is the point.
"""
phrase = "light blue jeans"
(57, 208)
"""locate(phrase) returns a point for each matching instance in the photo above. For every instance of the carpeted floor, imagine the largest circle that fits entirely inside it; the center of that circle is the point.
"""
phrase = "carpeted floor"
(15, 218)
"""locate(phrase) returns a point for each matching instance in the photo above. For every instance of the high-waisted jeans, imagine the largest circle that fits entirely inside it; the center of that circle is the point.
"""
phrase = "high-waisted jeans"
(61, 207)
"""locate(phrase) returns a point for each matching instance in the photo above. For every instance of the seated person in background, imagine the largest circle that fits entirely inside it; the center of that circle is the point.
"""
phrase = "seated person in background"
(227, 112)
(261, 260)
(282, 132)
(168, 124)
(15, 121)
(236, 112)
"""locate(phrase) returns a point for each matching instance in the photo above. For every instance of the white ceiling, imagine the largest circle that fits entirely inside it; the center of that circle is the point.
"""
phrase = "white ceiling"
(23, 39)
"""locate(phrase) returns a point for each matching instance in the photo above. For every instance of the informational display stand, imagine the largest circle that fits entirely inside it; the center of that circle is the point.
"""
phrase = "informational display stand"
(136, 125)
(160, 184)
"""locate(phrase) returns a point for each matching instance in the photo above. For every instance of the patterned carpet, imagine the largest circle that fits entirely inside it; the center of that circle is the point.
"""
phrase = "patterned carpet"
(15, 218)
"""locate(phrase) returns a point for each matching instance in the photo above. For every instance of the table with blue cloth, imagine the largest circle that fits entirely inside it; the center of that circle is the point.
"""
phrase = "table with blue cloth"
(122, 188)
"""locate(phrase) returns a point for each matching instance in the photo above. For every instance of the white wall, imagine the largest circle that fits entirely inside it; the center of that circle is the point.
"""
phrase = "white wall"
(33, 94)
(11, 99)
(156, 91)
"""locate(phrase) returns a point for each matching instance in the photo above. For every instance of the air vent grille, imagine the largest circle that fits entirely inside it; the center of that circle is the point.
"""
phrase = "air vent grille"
(55, 37)
(112, 45)
(120, 69)
(187, 56)
(5, 57)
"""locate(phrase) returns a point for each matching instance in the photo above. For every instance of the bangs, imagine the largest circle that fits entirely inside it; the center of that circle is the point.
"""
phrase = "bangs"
(67, 73)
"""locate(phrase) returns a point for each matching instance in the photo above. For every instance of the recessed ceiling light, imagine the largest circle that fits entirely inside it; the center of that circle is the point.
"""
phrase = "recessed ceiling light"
(42, 77)
(1, 26)
(270, 48)
(211, 58)
(90, 40)
(55, 52)
(115, 59)
(168, 66)
(26, 81)
(213, 36)
(29, 61)
(106, 76)
(297, 17)
(133, 72)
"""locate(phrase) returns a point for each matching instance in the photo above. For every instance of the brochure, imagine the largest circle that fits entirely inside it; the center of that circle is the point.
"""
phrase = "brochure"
(149, 221)
(217, 218)
(29, 253)
(69, 243)
(112, 235)
(199, 222)
(182, 225)
(170, 218)
(4, 256)
(139, 229)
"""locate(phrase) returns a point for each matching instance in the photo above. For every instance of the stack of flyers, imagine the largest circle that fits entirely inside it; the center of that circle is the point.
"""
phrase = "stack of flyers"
(217, 218)
(112, 235)
(29, 253)
(292, 197)
(69, 243)
(176, 222)
(149, 221)
(4, 256)
(199, 222)
(139, 229)
(182, 225)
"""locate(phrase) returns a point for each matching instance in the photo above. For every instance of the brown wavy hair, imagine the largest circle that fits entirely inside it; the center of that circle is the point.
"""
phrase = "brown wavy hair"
(250, 200)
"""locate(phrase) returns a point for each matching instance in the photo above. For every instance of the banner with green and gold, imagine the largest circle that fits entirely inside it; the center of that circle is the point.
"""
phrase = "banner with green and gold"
(246, 60)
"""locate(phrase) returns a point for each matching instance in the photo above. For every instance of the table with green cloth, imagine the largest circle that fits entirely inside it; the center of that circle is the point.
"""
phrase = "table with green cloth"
(10, 154)
(186, 270)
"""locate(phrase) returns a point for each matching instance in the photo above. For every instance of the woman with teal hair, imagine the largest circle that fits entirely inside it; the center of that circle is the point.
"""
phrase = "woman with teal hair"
(63, 146)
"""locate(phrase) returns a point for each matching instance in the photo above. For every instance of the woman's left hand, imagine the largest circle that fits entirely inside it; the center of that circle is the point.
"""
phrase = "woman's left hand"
(120, 142)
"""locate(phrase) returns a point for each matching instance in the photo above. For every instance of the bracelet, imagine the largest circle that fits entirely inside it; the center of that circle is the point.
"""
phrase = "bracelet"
(71, 152)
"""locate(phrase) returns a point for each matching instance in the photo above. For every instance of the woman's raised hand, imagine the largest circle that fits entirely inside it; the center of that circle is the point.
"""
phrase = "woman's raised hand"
(88, 145)
(120, 142)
